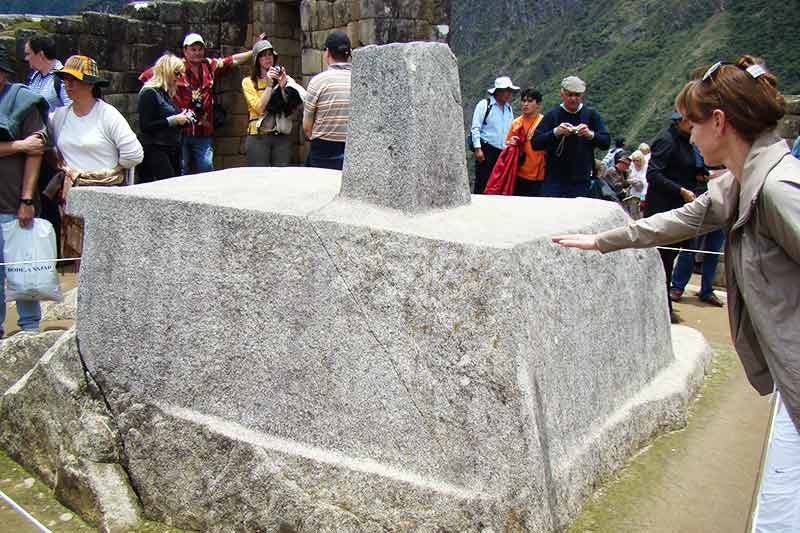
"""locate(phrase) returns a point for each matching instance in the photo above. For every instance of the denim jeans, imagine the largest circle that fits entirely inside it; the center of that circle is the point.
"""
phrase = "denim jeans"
(200, 150)
(683, 267)
(30, 312)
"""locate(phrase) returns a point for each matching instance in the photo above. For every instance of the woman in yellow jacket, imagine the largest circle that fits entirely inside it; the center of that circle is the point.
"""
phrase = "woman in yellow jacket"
(272, 97)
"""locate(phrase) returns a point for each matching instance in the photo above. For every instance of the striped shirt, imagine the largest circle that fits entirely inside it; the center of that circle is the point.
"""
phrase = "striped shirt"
(44, 86)
(327, 103)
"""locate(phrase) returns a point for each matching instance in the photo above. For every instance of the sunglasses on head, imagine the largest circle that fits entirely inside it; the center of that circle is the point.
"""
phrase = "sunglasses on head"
(754, 70)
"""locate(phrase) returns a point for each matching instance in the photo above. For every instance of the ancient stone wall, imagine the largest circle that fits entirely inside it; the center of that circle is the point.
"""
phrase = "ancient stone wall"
(125, 45)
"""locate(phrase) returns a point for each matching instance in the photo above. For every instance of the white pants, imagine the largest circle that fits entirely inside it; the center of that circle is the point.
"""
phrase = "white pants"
(778, 509)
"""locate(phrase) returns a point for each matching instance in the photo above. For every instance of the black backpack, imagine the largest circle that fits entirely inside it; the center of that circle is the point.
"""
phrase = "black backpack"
(470, 146)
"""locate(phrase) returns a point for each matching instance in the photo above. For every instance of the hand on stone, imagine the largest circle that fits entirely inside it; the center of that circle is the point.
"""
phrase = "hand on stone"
(513, 141)
(580, 241)
(479, 157)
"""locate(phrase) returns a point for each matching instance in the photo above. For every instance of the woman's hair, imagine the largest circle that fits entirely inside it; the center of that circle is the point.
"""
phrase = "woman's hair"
(255, 72)
(644, 148)
(637, 156)
(164, 73)
(745, 91)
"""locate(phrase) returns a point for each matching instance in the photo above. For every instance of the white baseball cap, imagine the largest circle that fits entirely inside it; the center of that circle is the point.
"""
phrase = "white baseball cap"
(192, 38)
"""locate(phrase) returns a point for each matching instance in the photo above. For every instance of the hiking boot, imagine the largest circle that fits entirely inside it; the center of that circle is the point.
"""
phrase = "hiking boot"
(675, 294)
(711, 299)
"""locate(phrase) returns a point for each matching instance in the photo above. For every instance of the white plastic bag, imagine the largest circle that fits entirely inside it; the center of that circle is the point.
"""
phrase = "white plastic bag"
(37, 280)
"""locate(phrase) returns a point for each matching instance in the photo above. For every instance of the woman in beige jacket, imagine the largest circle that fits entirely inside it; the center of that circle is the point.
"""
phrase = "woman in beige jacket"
(734, 109)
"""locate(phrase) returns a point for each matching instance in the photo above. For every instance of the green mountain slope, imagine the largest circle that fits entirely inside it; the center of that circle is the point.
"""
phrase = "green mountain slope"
(635, 55)
(61, 7)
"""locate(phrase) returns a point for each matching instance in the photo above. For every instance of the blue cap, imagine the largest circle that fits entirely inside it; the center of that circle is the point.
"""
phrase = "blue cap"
(675, 116)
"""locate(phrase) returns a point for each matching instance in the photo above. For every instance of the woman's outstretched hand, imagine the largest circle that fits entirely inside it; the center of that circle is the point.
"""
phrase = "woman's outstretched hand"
(583, 242)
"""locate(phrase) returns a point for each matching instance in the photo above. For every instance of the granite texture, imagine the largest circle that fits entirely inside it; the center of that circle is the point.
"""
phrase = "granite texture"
(405, 143)
(64, 310)
(56, 424)
(19, 353)
(277, 355)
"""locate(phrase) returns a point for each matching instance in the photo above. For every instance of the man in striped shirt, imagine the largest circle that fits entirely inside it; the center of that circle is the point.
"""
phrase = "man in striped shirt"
(326, 111)
(40, 54)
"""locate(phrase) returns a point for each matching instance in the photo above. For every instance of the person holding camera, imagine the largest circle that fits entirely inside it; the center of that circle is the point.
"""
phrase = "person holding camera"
(160, 120)
(272, 96)
(569, 134)
(195, 93)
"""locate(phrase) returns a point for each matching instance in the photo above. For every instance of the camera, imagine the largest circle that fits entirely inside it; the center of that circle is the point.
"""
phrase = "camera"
(573, 131)
(190, 115)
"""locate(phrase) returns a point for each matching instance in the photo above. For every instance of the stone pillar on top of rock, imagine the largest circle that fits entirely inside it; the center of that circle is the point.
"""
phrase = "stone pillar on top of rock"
(404, 145)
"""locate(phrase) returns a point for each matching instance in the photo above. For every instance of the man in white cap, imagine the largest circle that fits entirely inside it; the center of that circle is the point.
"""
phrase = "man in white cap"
(195, 93)
(569, 133)
(491, 121)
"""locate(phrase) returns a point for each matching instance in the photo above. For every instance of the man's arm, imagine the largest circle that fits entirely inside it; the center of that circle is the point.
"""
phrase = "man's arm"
(544, 134)
(30, 176)
(310, 108)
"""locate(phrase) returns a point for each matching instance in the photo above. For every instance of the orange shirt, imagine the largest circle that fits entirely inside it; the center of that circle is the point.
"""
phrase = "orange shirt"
(533, 167)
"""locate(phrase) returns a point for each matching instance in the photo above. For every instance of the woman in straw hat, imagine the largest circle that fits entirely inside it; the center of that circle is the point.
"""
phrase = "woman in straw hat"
(733, 110)
(160, 120)
(94, 141)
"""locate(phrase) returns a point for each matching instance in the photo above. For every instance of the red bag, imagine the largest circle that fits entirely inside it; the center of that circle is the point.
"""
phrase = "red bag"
(504, 174)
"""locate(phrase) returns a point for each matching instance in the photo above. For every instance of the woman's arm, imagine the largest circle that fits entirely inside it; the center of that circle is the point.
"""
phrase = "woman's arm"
(130, 149)
(150, 116)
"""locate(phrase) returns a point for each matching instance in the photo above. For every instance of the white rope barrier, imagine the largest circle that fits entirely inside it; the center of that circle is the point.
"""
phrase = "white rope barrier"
(689, 250)
(24, 513)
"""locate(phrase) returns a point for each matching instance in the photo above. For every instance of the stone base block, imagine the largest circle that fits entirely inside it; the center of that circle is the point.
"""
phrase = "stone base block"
(277, 355)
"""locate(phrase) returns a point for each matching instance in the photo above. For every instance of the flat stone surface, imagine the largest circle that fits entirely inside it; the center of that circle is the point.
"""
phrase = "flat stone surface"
(406, 134)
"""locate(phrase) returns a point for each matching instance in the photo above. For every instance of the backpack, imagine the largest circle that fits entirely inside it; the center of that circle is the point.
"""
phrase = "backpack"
(470, 146)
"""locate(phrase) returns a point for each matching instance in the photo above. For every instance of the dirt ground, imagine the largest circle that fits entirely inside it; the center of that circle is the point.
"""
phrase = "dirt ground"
(699, 479)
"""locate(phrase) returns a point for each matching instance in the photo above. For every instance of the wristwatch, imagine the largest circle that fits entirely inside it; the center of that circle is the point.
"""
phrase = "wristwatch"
(26, 201)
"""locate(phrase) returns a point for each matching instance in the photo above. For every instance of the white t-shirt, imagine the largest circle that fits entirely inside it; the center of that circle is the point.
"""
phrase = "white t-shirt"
(642, 175)
(97, 141)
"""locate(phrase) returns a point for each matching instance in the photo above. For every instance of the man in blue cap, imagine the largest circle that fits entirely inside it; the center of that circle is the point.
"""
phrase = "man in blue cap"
(491, 121)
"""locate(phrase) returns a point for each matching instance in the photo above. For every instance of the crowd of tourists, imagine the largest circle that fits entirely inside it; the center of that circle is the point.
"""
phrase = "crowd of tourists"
(57, 132)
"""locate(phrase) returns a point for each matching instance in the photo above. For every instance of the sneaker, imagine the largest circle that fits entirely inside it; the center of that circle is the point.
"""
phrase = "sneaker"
(711, 299)
(675, 294)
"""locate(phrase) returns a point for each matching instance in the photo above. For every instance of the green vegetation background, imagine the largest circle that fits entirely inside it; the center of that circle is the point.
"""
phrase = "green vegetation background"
(635, 55)
(60, 7)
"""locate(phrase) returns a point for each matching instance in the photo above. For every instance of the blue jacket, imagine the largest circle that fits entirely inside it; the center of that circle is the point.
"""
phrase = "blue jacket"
(572, 161)
(15, 102)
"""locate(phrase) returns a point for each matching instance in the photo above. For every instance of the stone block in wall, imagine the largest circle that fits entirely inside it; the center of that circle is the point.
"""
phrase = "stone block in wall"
(353, 33)
(286, 14)
(286, 47)
(170, 12)
(125, 103)
(174, 37)
(67, 45)
(355, 10)
(406, 9)
(423, 31)
(305, 15)
(123, 82)
(311, 62)
(227, 10)
(792, 104)
(232, 34)
(144, 55)
(119, 57)
(96, 47)
(382, 31)
(97, 23)
(789, 126)
(136, 31)
(341, 12)
(194, 12)
(324, 15)
(63, 24)
(318, 39)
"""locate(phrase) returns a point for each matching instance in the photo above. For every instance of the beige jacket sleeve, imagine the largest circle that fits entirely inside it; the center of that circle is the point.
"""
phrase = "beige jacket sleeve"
(710, 211)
